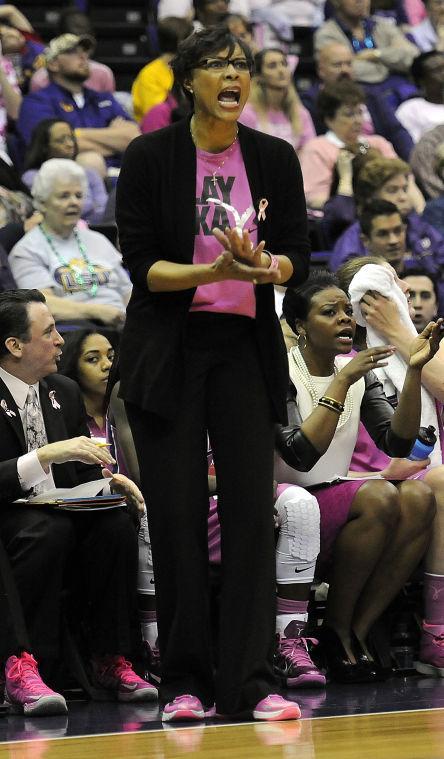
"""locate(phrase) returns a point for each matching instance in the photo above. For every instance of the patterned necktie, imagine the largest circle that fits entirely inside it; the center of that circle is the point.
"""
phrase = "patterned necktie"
(35, 428)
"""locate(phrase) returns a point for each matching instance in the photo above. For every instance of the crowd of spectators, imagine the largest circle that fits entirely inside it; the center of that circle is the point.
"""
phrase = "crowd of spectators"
(367, 125)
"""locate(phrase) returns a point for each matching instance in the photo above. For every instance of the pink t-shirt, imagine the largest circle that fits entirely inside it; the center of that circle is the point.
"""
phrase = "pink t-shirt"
(318, 158)
(279, 125)
(231, 188)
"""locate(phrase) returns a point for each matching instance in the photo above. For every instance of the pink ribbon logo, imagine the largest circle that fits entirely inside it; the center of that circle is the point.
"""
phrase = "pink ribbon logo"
(263, 205)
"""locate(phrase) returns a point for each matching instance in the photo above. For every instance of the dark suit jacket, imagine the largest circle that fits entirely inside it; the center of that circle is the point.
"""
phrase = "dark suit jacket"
(156, 216)
(61, 424)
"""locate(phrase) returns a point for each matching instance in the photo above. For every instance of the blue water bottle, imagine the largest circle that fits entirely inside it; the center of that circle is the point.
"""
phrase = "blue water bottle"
(424, 444)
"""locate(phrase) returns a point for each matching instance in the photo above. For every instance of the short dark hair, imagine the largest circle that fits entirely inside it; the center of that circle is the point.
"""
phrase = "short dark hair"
(417, 69)
(297, 300)
(418, 271)
(375, 208)
(204, 43)
(38, 150)
(171, 31)
(333, 96)
(14, 319)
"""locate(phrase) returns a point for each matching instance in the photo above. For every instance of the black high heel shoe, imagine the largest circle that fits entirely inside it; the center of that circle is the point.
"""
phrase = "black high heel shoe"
(339, 667)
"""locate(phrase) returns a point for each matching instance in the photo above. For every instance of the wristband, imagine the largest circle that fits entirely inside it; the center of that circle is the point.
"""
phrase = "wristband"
(274, 263)
(332, 404)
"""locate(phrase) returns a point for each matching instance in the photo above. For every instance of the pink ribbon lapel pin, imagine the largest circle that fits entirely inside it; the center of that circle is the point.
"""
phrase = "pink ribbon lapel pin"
(5, 408)
(263, 205)
(54, 402)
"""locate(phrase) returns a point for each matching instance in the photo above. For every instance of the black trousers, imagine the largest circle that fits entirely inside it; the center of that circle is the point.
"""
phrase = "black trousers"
(93, 554)
(13, 634)
(225, 395)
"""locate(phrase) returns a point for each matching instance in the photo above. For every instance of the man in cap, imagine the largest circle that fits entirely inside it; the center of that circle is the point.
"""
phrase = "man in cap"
(101, 124)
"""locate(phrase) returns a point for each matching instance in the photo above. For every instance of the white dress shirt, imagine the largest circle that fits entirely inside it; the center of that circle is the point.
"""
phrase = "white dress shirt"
(29, 469)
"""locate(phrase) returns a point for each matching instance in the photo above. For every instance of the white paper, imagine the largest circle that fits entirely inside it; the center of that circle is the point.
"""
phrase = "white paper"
(85, 490)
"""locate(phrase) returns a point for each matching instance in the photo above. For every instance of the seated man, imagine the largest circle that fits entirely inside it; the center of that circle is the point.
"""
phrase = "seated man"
(419, 115)
(45, 442)
(101, 124)
(383, 234)
(73, 21)
(423, 296)
(382, 55)
(335, 63)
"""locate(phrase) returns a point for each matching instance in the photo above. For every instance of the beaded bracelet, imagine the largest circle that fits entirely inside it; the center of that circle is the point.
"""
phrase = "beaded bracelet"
(331, 404)
(274, 263)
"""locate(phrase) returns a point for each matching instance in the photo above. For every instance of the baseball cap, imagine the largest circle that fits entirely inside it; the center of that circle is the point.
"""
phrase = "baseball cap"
(67, 42)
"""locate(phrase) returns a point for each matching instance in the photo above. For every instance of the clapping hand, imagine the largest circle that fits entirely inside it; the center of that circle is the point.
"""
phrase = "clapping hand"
(424, 347)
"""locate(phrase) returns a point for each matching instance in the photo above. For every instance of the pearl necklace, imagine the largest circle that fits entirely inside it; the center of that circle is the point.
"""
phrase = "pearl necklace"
(298, 368)
(222, 163)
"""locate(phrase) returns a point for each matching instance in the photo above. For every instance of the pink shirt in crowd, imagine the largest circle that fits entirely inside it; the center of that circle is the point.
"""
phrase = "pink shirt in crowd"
(159, 115)
(318, 159)
(232, 189)
(101, 78)
(279, 125)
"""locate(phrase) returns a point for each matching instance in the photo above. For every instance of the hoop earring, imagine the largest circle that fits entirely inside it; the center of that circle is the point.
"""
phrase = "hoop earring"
(298, 337)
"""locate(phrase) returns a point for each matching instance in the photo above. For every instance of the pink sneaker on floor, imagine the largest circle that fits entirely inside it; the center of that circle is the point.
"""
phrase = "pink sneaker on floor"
(293, 663)
(114, 673)
(431, 651)
(25, 690)
(274, 707)
(186, 708)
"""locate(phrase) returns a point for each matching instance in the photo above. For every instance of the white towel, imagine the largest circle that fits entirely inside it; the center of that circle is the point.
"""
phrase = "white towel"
(381, 279)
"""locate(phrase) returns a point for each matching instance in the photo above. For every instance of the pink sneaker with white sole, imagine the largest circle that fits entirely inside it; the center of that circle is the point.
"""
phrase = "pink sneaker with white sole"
(183, 708)
(275, 707)
(25, 690)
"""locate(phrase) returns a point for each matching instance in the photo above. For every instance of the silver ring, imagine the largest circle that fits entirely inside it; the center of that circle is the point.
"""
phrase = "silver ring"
(372, 358)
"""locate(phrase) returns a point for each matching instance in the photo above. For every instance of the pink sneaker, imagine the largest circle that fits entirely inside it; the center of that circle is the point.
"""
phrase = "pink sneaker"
(25, 690)
(431, 651)
(274, 707)
(294, 666)
(185, 707)
(115, 674)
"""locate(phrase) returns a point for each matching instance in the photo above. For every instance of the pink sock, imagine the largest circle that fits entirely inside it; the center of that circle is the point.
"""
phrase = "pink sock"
(434, 599)
(288, 606)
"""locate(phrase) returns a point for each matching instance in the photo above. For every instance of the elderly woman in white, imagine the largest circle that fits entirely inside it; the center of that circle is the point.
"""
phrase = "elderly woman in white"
(78, 270)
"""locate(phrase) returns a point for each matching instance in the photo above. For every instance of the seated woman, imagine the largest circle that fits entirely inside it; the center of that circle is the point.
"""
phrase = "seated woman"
(340, 105)
(175, 107)
(55, 138)
(87, 358)
(373, 533)
(79, 271)
(274, 106)
(381, 305)
(385, 179)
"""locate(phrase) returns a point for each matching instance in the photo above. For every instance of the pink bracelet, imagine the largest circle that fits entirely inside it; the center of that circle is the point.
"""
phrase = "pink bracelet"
(274, 263)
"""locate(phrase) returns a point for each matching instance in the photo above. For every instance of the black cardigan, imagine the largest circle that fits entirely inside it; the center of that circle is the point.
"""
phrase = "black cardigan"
(376, 415)
(156, 217)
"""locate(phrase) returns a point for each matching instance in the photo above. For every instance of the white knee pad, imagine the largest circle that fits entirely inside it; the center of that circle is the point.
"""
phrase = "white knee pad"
(145, 575)
(299, 536)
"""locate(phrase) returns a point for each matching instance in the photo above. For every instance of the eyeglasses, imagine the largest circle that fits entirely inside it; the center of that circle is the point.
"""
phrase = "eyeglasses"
(217, 65)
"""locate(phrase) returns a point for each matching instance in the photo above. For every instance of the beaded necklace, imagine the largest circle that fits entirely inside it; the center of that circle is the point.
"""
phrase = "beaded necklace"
(78, 276)
(298, 370)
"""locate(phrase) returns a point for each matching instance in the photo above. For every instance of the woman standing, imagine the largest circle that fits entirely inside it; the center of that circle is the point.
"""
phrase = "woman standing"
(202, 353)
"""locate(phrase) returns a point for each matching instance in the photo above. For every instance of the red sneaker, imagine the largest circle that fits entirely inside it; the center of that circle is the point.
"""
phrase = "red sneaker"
(114, 673)
(25, 690)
